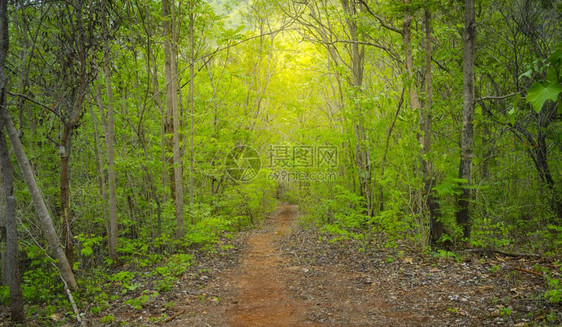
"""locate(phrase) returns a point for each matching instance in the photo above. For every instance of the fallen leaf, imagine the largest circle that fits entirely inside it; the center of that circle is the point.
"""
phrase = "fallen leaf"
(55, 317)
(500, 258)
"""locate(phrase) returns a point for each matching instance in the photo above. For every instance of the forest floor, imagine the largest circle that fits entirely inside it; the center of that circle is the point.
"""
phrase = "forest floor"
(283, 275)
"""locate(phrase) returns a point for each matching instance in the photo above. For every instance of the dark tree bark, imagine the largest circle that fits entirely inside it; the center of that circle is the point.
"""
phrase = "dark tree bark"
(10, 270)
(435, 225)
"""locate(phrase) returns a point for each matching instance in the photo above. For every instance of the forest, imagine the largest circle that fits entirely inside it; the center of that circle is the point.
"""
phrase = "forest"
(170, 162)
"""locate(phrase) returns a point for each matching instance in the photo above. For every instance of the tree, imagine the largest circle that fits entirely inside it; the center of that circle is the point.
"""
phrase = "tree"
(435, 225)
(48, 228)
(171, 71)
(75, 45)
(9, 230)
(113, 233)
(467, 133)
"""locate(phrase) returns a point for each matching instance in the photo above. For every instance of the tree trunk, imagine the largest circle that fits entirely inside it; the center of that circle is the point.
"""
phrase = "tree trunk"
(10, 269)
(172, 103)
(362, 153)
(435, 225)
(38, 201)
(65, 213)
(415, 105)
(100, 161)
(540, 155)
(109, 140)
(191, 109)
(467, 134)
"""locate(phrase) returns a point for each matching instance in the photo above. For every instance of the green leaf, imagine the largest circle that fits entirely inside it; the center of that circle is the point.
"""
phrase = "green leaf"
(526, 74)
(511, 115)
(539, 93)
(87, 251)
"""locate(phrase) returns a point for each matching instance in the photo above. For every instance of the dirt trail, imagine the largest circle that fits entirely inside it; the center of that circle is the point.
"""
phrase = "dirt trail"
(284, 276)
(263, 297)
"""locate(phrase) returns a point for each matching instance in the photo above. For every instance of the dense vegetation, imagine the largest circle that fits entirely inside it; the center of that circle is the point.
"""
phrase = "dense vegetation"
(442, 119)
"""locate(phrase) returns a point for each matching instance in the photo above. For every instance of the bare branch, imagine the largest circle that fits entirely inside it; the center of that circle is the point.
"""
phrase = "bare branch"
(383, 22)
(44, 106)
(499, 97)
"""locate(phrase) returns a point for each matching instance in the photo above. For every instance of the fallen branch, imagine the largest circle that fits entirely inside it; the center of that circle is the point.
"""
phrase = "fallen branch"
(507, 254)
(71, 299)
(528, 271)
(170, 318)
(518, 254)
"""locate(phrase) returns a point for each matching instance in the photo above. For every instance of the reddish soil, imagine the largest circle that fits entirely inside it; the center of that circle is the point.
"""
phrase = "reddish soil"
(287, 276)
(262, 294)
(283, 275)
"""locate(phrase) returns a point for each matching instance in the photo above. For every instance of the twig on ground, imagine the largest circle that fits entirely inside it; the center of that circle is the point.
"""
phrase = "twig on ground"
(170, 318)
(528, 271)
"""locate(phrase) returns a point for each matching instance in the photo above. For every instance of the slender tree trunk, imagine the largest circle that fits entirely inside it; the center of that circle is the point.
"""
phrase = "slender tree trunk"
(435, 225)
(415, 105)
(172, 102)
(540, 153)
(409, 63)
(38, 201)
(191, 107)
(10, 269)
(101, 165)
(109, 140)
(362, 153)
(467, 133)
(64, 152)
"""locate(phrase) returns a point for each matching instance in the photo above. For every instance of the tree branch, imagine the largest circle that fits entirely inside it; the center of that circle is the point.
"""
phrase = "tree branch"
(498, 97)
(44, 106)
(383, 23)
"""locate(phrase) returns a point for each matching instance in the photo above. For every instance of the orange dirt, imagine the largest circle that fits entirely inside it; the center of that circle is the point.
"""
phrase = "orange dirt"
(263, 298)
(284, 276)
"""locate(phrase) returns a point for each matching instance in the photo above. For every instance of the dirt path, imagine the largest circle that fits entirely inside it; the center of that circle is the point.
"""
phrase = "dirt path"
(285, 276)
(263, 297)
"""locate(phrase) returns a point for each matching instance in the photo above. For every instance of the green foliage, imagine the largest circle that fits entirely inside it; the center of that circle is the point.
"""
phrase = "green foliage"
(551, 86)
(176, 265)
(4, 294)
(108, 319)
(125, 280)
(447, 254)
(41, 279)
(281, 89)
(489, 234)
(207, 232)
(505, 312)
(554, 291)
(494, 269)
(138, 302)
(88, 243)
